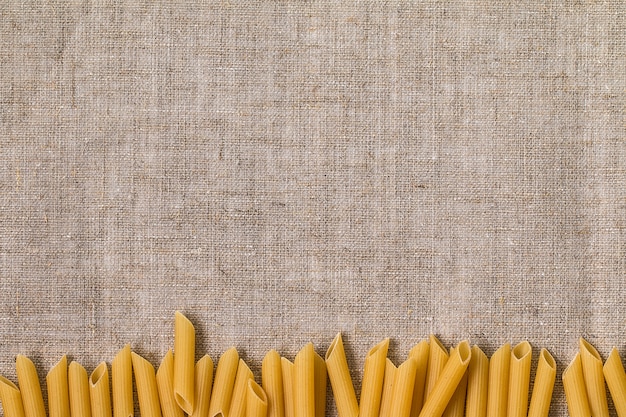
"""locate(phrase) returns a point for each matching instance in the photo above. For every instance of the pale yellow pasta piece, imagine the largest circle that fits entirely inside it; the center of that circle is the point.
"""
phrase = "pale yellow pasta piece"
(340, 380)
(402, 390)
(99, 392)
(224, 382)
(11, 399)
(477, 384)
(448, 381)
(30, 388)
(321, 376)
(238, 403)
(287, 369)
(256, 400)
(519, 380)
(594, 379)
(122, 383)
(272, 381)
(165, 387)
(58, 395)
(373, 377)
(147, 391)
(616, 380)
(78, 385)
(498, 389)
(203, 385)
(437, 358)
(575, 391)
(304, 382)
(387, 395)
(456, 405)
(184, 362)
(543, 386)
(420, 352)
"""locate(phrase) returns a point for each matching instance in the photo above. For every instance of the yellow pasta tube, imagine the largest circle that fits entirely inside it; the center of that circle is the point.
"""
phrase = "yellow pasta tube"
(165, 387)
(519, 380)
(224, 382)
(287, 369)
(575, 391)
(544, 385)
(99, 391)
(58, 395)
(594, 379)
(204, 382)
(238, 402)
(304, 382)
(28, 381)
(78, 385)
(420, 353)
(256, 400)
(184, 362)
(616, 380)
(11, 399)
(402, 391)
(437, 358)
(272, 381)
(147, 391)
(456, 405)
(498, 389)
(387, 394)
(321, 376)
(122, 383)
(340, 380)
(372, 382)
(477, 381)
(448, 381)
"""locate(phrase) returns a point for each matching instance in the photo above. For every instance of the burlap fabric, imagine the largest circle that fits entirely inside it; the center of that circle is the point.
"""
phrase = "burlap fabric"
(283, 171)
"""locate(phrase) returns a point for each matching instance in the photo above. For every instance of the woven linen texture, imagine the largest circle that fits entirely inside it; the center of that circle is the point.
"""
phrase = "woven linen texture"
(282, 171)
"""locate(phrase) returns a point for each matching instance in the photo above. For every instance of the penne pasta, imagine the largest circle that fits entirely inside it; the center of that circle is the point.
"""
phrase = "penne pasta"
(372, 382)
(543, 386)
(575, 391)
(27, 378)
(147, 391)
(165, 387)
(448, 381)
(204, 382)
(519, 380)
(99, 393)
(477, 380)
(456, 405)
(387, 394)
(272, 382)
(122, 383)
(420, 353)
(11, 399)
(594, 379)
(340, 380)
(321, 376)
(78, 386)
(223, 384)
(304, 382)
(437, 358)
(184, 362)
(238, 403)
(498, 388)
(256, 400)
(287, 369)
(616, 380)
(402, 390)
(58, 394)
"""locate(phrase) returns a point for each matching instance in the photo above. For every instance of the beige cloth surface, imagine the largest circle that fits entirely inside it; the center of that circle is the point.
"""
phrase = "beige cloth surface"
(283, 171)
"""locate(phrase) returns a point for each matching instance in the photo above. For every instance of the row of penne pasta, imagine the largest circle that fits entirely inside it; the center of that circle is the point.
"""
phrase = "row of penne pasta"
(432, 382)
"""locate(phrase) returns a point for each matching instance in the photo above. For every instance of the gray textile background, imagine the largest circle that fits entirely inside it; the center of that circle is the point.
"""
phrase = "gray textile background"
(282, 171)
